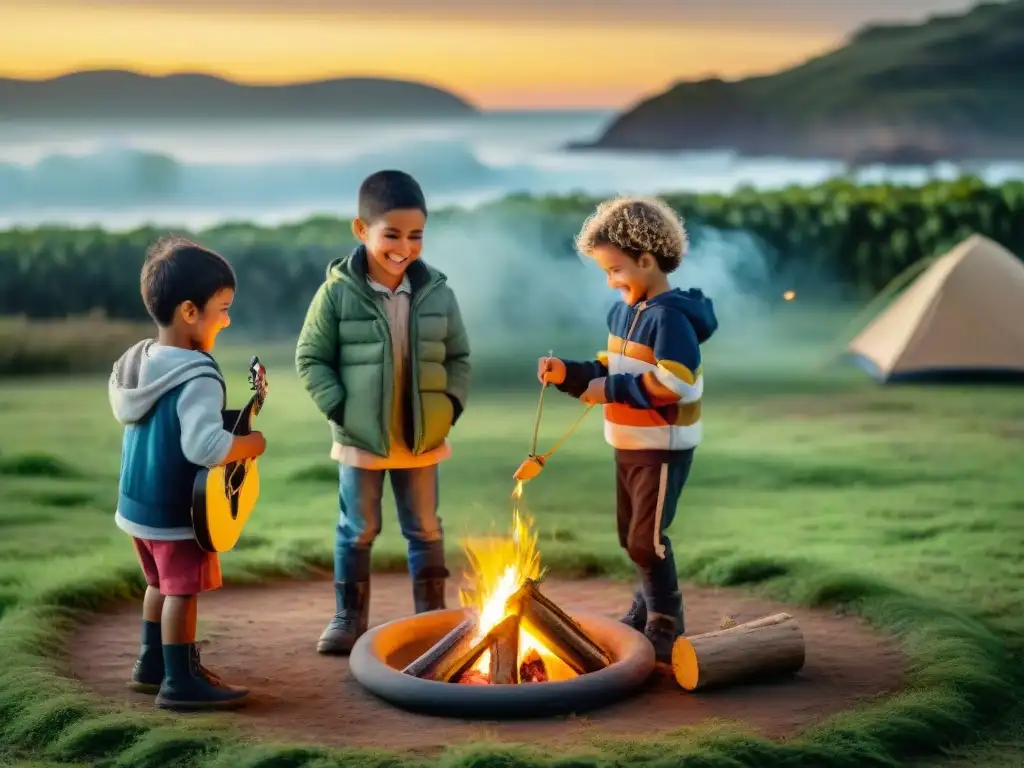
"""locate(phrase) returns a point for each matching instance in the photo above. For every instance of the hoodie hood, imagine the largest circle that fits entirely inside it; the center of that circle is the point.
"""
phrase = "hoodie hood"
(692, 303)
(149, 370)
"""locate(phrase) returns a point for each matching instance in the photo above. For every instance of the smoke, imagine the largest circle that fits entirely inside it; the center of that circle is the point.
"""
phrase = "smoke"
(524, 291)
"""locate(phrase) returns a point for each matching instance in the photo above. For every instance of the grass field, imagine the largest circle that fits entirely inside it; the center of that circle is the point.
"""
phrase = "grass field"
(904, 504)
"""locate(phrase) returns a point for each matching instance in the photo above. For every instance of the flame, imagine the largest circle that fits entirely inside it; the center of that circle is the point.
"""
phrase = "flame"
(499, 567)
(788, 295)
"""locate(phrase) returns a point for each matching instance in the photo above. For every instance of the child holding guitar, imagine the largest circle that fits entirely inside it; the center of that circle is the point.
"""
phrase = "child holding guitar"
(169, 395)
(384, 356)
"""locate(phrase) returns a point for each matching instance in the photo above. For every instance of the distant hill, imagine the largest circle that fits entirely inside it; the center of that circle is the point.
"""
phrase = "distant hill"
(99, 94)
(950, 87)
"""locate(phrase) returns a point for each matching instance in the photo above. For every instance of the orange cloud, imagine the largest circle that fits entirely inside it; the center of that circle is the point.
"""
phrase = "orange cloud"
(495, 65)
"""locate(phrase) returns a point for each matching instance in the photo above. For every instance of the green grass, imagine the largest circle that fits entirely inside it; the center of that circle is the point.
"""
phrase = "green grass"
(819, 488)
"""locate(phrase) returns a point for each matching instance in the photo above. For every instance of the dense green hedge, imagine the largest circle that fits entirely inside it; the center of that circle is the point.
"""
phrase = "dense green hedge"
(858, 236)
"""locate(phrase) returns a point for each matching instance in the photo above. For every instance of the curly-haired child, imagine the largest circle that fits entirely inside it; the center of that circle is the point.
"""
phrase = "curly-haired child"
(650, 381)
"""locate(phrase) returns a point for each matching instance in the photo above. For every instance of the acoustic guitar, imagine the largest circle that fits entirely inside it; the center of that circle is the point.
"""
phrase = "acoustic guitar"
(223, 497)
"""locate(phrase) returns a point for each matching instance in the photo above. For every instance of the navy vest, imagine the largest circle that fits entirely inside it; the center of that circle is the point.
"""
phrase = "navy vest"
(155, 489)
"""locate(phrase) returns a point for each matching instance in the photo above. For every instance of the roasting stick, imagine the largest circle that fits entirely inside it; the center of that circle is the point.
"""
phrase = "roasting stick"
(534, 463)
(540, 409)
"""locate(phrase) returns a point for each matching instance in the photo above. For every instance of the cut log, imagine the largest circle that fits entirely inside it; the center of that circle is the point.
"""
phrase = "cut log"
(772, 645)
(452, 655)
(456, 665)
(563, 636)
(453, 645)
(505, 652)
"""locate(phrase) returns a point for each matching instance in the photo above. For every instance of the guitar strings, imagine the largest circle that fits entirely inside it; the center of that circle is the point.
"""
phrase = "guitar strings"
(234, 430)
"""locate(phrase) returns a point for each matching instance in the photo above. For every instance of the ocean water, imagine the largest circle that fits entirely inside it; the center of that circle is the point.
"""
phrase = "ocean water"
(195, 175)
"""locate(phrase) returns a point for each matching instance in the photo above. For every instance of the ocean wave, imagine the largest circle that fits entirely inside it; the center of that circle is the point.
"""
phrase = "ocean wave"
(117, 180)
(115, 176)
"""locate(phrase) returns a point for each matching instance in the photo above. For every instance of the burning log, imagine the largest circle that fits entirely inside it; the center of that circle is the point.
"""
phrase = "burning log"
(560, 633)
(532, 670)
(505, 651)
(457, 665)
(452, 658)
(768, 646)
(472, 677)
(502, 640)
(432, 664)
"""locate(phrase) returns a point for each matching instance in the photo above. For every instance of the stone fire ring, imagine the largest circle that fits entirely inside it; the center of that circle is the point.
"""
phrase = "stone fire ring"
(378, 657)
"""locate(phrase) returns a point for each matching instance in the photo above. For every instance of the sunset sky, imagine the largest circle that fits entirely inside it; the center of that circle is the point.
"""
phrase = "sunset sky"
(523, 53)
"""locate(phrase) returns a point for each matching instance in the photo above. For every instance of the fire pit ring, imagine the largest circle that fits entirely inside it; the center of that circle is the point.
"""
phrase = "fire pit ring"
(381, 653)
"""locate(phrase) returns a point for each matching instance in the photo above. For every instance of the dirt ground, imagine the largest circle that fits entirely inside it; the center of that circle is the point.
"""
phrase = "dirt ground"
(265, 638)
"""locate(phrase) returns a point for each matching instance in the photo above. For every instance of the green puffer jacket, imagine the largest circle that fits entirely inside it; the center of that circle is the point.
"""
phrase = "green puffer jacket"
(344, 358)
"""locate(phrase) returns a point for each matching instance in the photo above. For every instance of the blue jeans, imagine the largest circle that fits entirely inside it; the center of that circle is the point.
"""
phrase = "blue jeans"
(360, 492)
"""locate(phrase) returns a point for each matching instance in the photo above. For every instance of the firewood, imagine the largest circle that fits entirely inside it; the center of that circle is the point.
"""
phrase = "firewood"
(457, 665)
(563, 636)
(453, 645)
(505, 651)
(472, 677)
(533, 670)
(772, 645)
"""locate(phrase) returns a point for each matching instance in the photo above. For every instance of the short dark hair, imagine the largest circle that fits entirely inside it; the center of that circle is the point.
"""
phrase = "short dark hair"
(178, 270)
(386, 191)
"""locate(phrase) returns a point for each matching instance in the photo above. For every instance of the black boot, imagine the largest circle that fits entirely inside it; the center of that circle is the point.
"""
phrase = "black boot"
(197, 665)
(661, 631)
(351, 620)
(428, 595)
(636, 616)
(185, 689)
(148, 673)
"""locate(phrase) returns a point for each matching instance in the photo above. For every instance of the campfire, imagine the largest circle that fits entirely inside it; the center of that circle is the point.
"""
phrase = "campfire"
(512, 633)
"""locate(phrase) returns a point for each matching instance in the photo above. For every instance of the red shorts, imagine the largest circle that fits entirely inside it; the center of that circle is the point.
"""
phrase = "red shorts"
(178, 568)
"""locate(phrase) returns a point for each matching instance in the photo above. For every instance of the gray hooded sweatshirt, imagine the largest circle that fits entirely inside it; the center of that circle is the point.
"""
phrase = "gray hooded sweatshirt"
(170, 402)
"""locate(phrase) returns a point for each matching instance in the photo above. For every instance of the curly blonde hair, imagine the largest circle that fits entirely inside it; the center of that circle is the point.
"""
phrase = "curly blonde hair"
(636, 225)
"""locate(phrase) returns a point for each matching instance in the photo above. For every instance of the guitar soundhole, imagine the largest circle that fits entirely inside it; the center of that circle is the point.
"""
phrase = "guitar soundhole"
(234, 477)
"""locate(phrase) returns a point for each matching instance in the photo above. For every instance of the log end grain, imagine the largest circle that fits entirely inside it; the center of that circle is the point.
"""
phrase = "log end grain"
(684, 664)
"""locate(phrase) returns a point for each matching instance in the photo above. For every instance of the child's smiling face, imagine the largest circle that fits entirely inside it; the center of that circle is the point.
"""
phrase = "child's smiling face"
(630, 277)
(201, 326)
(393, 241)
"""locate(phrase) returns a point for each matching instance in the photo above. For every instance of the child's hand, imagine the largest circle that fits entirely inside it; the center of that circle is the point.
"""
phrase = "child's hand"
(550, 370)
(246, 447)
(259, 443)
(595, 392)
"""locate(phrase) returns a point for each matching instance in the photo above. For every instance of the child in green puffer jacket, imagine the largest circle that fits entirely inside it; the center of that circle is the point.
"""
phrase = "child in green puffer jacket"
(384, 355)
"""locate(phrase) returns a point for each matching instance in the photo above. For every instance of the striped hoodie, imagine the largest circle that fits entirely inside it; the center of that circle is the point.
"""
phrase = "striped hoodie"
(654, 373)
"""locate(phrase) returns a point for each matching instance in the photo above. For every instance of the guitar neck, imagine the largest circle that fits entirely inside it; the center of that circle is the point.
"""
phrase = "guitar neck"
(243, 423)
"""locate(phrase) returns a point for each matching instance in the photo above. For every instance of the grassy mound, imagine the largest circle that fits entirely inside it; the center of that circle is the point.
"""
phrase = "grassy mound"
(852, 490)
(87, 344)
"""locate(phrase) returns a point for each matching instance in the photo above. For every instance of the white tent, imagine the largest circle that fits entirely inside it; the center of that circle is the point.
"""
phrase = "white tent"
(962, 318)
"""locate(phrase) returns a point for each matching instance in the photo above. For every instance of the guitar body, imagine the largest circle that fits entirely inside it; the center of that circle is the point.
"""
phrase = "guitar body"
(218, 514)
(224, 497)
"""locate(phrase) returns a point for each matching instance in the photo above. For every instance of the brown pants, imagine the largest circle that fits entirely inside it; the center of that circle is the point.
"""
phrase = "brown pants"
(648, 485)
